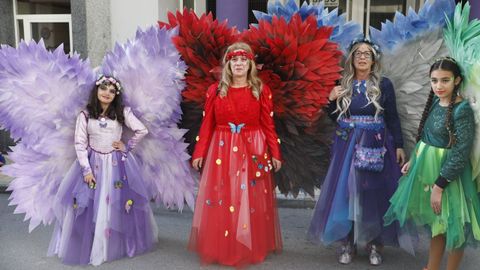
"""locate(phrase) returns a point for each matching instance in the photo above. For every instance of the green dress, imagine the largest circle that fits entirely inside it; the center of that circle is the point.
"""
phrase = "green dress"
(460, 214)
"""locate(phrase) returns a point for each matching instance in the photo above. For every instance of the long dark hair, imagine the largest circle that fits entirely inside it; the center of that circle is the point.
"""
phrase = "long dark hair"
(447, 64)
(114, 110)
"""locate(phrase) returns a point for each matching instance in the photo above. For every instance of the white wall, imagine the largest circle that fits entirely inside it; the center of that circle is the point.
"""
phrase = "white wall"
(200, 7)
(127, 15)
(165, 6)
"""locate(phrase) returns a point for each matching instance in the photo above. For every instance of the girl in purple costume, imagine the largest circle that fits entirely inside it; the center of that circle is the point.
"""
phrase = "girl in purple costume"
(102, 205)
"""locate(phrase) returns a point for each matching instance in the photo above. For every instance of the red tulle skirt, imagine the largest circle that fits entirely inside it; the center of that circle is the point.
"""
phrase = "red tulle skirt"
(236, 220)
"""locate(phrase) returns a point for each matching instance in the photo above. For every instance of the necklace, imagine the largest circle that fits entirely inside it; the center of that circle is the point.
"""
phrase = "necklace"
(102, 122)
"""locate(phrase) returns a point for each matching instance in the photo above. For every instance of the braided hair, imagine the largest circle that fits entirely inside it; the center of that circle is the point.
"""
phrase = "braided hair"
(447, 64)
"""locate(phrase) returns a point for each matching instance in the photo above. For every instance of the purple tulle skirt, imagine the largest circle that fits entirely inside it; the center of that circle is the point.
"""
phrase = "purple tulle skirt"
(111, 221)
(352, 201)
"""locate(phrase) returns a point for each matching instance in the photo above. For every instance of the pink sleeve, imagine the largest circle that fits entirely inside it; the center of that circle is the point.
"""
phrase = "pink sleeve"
(132, 122)
(81, 143)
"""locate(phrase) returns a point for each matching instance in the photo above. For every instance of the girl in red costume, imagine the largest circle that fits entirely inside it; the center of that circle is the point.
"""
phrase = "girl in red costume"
(236, 220)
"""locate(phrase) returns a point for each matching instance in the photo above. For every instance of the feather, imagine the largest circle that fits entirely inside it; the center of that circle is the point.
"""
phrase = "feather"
(201, 43)
(343, 32)
(410, 44)
(405, 28)
(462, 37)
(152, 75)
(41, 93)
(300, 65)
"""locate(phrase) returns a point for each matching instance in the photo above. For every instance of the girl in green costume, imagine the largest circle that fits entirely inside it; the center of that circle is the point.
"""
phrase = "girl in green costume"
(437, 189)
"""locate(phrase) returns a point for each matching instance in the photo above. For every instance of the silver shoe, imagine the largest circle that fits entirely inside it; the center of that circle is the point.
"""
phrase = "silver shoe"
(375, 256)
(346, 254)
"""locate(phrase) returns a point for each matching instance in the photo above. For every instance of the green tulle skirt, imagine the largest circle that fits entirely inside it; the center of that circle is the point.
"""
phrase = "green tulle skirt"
(460, 215)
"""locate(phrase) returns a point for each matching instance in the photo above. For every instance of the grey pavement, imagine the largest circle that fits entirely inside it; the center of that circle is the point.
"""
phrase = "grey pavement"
(20, 250)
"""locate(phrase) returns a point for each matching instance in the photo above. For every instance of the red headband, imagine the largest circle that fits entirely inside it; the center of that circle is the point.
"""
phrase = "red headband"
(248, 55)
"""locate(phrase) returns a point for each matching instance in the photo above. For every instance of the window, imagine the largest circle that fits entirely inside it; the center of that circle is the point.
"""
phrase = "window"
(43, 7)
(49, 20)
(330, 4)
(381, 10)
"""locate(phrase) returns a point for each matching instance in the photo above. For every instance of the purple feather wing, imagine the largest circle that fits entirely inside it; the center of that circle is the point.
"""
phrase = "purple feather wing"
(152, 76)
(41, 92)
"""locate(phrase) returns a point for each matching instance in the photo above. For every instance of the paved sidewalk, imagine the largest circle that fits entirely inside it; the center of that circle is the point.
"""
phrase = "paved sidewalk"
(20, 250)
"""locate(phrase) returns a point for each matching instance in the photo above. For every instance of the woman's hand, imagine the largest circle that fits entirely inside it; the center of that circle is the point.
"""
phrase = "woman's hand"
(436, 199)
(197, 163)
(90, 180)
(335, 93)
(277, 164)
(405, 168)
(400, 156)
(119, 146)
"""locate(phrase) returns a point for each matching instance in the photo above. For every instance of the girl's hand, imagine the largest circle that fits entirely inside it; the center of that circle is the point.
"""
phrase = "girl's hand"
(335, 93)
(277, 164)
(90, 180)
(436, 199)
(405, 168)
(119, 146)
(197, 163)
(400, 156)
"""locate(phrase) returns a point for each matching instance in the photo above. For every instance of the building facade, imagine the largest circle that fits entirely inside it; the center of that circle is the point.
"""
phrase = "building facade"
(92, 27)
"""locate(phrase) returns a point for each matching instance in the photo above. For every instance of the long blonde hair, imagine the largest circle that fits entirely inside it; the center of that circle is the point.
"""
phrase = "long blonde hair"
(373, 83)
(227, 77)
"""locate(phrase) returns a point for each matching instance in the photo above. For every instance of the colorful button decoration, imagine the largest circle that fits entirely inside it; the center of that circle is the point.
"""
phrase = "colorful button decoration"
(232, 209)
(75, 205)
(226, 233)
(218, 161)
(235, 149)
(118, 184)
(197, 138)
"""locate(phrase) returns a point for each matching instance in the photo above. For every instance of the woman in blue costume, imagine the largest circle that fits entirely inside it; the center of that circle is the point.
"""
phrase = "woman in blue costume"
(366, 154)
(438, 190)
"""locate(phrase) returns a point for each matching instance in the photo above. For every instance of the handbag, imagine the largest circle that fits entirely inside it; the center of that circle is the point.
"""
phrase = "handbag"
(370, 158)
